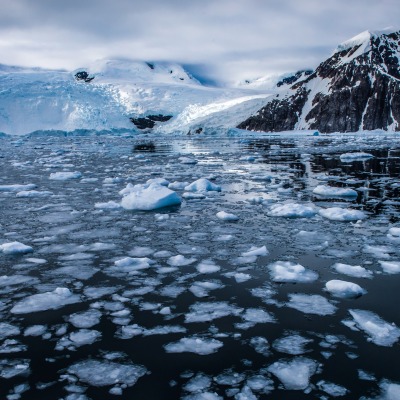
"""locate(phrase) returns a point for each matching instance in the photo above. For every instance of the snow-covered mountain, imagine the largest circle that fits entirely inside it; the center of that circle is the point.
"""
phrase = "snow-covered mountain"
(112, 94)
(357, 88)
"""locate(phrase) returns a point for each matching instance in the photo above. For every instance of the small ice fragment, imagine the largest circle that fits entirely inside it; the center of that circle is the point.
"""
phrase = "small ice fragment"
(194, 345)
(224, 216)
(344, 289)
(15, 248)
(352, 270)
(207, 267)
(7, 330)
(85, 319)
(202, 185)
(256, 251)
(180, 261)
(329, 191)
(291, 344)
(311, 304)
(342, 214)
(294, 374)
(64, 176)
(332, 389)
(356, 156)
(292, 210)
(390, 267)
(287, 271)
(110, 205)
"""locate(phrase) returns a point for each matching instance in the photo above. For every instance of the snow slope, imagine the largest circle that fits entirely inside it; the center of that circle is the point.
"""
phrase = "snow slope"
(37, 99)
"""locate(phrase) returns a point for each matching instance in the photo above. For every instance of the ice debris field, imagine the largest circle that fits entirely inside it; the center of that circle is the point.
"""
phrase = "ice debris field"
(199, 268)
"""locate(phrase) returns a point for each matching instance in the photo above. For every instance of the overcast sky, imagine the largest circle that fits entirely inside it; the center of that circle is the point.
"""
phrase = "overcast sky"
(220, 39)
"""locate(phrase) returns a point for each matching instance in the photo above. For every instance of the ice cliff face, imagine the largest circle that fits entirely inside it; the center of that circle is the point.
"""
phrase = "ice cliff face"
(357, 88)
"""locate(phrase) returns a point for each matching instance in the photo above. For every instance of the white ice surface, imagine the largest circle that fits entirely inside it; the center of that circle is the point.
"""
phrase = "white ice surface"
(194, 345)
(352, 270)
(202, 185)
(344, 289)
(329, 191)
(342, 214)
(15, 248)
(311, 304)
(292, 210)
(287, 271)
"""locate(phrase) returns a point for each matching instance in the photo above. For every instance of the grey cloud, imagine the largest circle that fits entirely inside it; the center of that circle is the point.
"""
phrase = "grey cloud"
(261, 36)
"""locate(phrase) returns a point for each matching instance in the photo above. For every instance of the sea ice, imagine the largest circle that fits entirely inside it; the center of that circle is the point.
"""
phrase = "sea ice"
(7, 330)
(287, 271)
(85, 319)
(16, 280)
(12, 368)
(380, 332)
(194, 345)
(329, 191)
(389, 391)
(198, 383)
(178, 185)
(64, 176)
(343, 289)
(205, 312)
(294, 374)
(352, 270)
(260, 345)
(106, 373)
(46, 301)
(255, 251)
(311, 304)
(292, 210)
(180, 261)
(33, 193)
(224, 216)
(109, 205)
(17, 188)
(149, 197)
(356, 156)
(207, 267)
(291, 344)
(253, 316)
(35, 330)
(15, 248)
(342, 214)
(390, 267)
(202, 185)
(332, 389)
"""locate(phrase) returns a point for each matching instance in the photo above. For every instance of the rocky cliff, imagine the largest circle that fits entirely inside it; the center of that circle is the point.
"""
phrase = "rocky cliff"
(357, 88)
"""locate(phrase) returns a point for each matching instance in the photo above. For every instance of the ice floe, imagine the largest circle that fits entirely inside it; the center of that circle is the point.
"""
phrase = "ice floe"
(292, 210)
(355, 271)
(202, 185)
(342, 214)
(287, 271)
(109, 205)
(356, 156)
(329, 191)
(85, 319)
(332, 389)
(58, 298)
(15, 248)
(65, 176)
(380, 332)
(17, 187)
(311, 304)
(390, 267)
(201, 346)
(149, 197)
(291, 344)
(180, 261)
(224, 216)
(344, 289)
(204, 312)
(294, 374)
(207, 267)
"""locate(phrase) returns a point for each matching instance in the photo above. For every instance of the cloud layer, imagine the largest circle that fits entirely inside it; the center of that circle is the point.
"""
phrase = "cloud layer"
(224, 39)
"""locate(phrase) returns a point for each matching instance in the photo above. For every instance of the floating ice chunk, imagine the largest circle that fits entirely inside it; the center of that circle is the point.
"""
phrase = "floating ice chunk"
(344, 289)
(394, 232)
(65, 176)
(187, 160)
(16, 280)
(203, 396)
(389, 391)
(378, 251)
(260, 345)
(84, 337)
(193, 196)
(151, 197)
(256, 251)
(178, 185)
(17, 188)
(58, 298)
(180, 261)
(380, 332)
(106, 373)
(294, 374)
(109, 205)
(329, 191)
(129, 331)
(12, 368)
(241, 277)
(253, 316)
(224, 216)
(7, 330)
(292, 210)
(207, 267)
(198, 383)
(161, 217)
(260, 383)
(158, 181)
(129, 264)
(342, 214)
(85, 319)
(245, 394)
(194, 345)
(35, 330)
(201, 289)
(97, 292)
(332, 389)
(15, 248)
(110, 180)
(202, 185)
(390, 267)
(287, 271)
(311, 304)
(33, 193)
(204, 312)
(291, 344)
(352, 270)
(365, 376)
(356, 156)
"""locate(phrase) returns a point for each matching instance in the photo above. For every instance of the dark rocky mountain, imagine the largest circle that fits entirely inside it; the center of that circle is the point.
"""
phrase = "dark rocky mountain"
(357, 88)
(290, 80)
